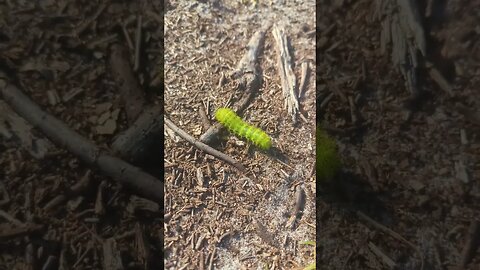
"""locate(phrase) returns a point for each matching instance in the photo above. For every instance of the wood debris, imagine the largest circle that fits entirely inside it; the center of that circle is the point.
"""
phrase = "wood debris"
(140, 204)
(112, 259)
(285, 69)
(303, 80)
(132, 94)
(472, 242)
(385, 259)
(403, 32)
(264, 234)
(137, 143)
(299, 206)
(142, 247)
(204, 147)
(9, 231)
(14, 127)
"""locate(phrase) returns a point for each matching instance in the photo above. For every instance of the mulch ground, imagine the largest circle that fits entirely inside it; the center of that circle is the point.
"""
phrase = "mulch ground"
(408, 193)
(57, 212)
(411, 165)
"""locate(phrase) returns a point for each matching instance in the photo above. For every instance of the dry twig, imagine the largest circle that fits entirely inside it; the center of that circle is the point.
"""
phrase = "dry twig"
(203, 146)
(8, 231)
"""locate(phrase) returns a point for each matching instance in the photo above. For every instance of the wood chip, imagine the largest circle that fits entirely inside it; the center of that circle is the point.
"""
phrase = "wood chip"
(9, 231)
(112, 259)
(303, 80)
(264, 234)
(385, 259)
(461, 171)
(108, 128)
(72, 94)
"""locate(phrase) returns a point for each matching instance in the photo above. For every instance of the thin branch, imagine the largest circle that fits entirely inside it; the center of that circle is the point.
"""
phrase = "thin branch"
(203, 146)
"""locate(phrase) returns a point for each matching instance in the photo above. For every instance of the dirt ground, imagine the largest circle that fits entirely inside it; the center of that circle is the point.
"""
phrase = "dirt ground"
(419, 175)
(219, 217)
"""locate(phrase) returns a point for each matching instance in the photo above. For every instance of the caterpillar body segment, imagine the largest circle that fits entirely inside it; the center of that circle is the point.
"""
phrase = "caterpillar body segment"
(237, 126)
(328, 160)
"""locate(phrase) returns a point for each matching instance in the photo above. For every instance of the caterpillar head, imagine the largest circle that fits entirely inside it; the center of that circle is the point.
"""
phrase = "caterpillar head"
(328, 160)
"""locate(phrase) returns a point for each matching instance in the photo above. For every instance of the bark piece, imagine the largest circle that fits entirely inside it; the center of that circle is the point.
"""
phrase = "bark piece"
(143, 140)
(402, 29)
(14, 127)
(132, 94)
(285, 63)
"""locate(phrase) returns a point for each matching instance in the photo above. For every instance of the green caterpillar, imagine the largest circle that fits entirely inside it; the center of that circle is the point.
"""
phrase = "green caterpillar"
(328, 161)
(237, 126)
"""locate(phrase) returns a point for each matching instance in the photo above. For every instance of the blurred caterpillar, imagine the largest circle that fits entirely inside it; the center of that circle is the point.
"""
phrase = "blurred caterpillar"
(237, 126)
(328, 161)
